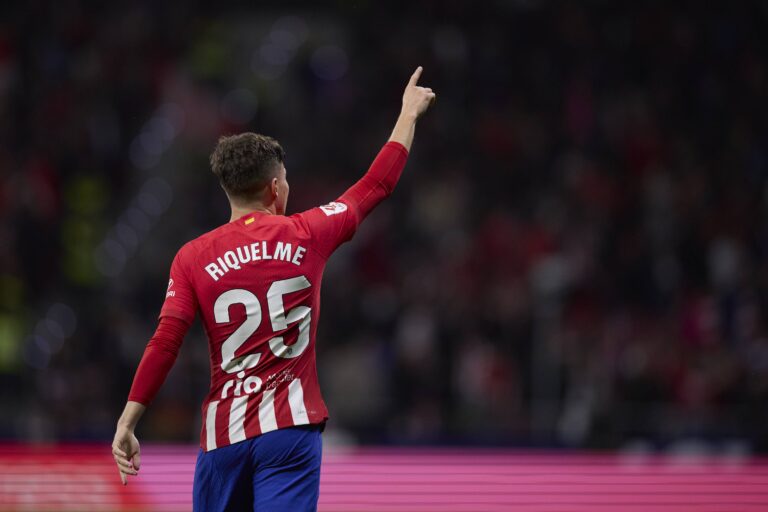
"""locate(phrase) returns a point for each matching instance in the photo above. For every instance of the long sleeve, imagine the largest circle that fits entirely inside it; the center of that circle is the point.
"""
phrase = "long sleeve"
(379, 182)
(158, 358)
(335, 223)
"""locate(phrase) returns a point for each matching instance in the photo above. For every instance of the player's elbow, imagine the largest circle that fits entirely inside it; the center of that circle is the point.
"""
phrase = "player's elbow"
(162, 347)
(386, 188)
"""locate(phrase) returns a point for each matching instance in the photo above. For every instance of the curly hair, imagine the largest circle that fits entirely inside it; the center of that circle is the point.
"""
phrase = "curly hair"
(245, 163)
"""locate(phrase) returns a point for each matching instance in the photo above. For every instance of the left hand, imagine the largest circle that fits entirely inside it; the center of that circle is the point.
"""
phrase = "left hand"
(127, 453)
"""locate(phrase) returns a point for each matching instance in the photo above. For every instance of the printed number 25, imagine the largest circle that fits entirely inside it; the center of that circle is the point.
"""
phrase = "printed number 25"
(253, 316)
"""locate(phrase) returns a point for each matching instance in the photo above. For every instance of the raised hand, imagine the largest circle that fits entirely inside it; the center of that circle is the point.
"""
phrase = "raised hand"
(417, 99)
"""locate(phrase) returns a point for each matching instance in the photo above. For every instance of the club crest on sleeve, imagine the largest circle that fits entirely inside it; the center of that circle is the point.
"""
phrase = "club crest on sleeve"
(333, 208)
(170, 293)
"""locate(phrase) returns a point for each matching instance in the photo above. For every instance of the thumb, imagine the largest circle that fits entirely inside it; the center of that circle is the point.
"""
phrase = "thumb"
(136, 460)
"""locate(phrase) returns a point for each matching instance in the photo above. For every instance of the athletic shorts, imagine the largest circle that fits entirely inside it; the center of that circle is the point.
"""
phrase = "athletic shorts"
(274, 472)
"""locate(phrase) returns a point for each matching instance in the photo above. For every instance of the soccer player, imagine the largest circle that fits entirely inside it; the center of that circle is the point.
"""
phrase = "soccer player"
(256, 284)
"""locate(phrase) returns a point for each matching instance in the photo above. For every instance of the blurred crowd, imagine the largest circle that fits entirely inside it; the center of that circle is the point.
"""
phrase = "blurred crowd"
(575, 256)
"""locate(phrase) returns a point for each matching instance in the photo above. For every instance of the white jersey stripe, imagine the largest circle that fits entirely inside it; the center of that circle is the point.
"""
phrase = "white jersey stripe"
(296, 402)
(267, 419)
(237, 419)
(210, 425)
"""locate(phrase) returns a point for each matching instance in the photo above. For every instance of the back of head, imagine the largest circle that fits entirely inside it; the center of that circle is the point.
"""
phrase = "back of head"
(246, 163)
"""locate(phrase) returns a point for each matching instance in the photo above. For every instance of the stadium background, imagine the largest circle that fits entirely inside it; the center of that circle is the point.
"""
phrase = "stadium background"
(574, 259)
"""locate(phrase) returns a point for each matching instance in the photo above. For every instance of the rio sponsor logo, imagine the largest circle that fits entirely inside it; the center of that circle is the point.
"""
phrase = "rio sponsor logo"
(241, 385)
(249, 385)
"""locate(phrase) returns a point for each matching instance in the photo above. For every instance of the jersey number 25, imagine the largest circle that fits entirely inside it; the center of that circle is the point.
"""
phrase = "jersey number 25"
(280, 321)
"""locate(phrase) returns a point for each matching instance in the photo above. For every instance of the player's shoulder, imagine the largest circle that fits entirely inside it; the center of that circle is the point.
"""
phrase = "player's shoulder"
(299, 225)
(322, 212)
(191, 248)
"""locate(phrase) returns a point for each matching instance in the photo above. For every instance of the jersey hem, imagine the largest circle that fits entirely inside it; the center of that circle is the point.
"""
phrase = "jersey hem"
(311, 423)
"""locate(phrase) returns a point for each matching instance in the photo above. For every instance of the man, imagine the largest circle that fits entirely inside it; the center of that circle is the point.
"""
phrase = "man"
(256, 283)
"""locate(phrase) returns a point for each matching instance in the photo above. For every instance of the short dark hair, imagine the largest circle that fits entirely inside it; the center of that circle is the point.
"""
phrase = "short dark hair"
(245, 163)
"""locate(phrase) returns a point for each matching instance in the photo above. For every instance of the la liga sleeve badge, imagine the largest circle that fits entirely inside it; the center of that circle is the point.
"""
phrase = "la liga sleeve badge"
(333, 208)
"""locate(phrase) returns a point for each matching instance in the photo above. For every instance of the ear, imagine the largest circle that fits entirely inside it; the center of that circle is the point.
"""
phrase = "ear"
(273, 188)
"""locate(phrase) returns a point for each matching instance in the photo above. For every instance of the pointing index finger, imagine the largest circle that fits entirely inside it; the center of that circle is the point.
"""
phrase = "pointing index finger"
(415, 76)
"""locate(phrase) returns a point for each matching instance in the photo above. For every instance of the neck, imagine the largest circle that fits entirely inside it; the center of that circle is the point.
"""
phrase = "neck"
(238, 210)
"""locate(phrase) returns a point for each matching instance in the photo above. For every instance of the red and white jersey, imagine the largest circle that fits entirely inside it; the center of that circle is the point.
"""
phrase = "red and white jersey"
(256, 283)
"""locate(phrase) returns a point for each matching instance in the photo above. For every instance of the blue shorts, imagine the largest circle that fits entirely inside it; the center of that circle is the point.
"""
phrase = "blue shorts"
(274, 472)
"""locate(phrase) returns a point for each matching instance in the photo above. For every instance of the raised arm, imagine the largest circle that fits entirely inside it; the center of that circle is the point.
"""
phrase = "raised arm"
(385, 171)
(416, 101)
(335, 223)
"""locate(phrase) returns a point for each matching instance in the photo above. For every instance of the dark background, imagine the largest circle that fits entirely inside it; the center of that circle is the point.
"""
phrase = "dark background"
(575, 257)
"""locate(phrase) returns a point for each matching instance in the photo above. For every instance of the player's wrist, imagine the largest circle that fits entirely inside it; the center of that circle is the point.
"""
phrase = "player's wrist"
(125, 426)
(409, 115)
(131, 415)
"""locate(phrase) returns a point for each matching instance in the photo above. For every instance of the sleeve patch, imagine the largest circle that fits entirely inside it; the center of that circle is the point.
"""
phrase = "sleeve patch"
(333, 208)
(170, 293)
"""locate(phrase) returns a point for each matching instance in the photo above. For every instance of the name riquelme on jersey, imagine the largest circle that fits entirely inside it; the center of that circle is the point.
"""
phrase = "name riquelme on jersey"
(232, 260)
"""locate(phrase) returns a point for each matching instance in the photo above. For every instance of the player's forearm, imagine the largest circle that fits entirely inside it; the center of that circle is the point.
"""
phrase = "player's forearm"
(158, 359)
(131, 415)
(405, 129)
(379, 181)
